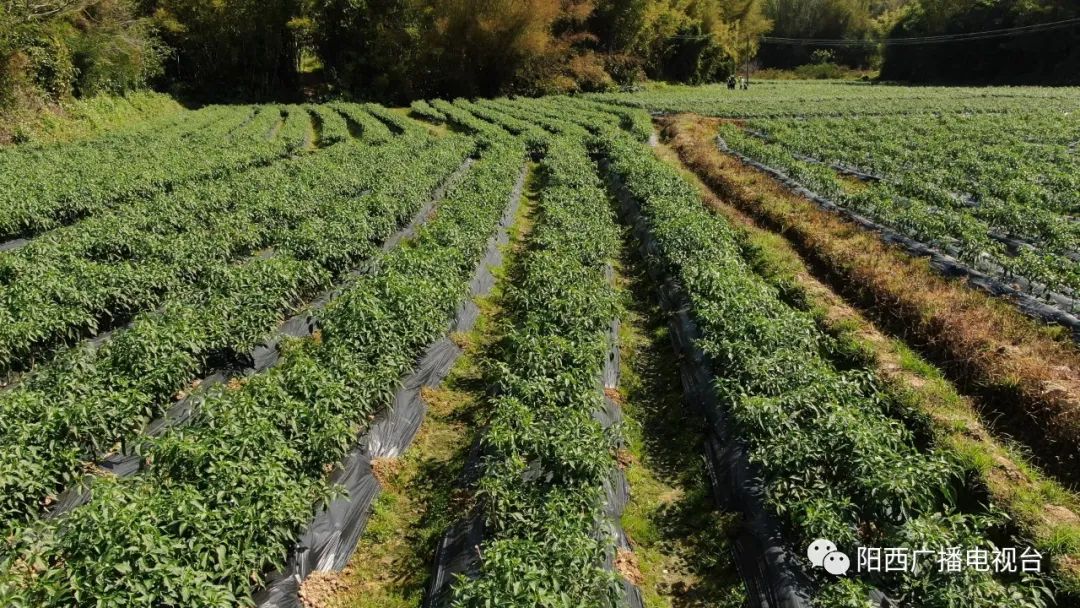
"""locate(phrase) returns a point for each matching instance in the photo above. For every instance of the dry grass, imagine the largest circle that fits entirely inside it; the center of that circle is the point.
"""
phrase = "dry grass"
(1026, 374)
(385, 470)
(627, 567)
(321, 588)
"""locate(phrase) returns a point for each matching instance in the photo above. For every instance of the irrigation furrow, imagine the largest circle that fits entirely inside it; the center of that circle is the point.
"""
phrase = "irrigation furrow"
(772, 574)
(617, 488)
(681, 542)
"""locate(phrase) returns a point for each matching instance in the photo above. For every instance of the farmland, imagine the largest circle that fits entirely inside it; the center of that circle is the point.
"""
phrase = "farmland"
(457, 337)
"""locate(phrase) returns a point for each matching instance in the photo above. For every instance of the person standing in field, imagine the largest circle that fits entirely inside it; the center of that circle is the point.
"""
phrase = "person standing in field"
(731, 82)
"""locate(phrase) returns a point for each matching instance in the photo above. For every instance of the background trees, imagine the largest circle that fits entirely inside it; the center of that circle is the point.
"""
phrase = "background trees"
(51, 49)
(398, 50)
(416, 48)
(856, 20)
(390, 50)
(1051, 57)
(229, 46)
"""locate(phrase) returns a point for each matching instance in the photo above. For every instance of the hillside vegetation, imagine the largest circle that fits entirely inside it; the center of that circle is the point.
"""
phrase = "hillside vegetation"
(1049, 57)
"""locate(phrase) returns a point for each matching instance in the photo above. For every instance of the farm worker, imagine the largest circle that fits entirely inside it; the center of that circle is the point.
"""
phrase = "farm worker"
(731, 82)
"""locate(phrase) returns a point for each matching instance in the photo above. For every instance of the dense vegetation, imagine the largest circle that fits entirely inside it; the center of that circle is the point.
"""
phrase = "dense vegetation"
(388, 50)
(1046, 57)
(239, 478)
(1004, 204)
(140, 267)
(1007, 204)
(854, 100)
(53, 49)
(793, 395)
(855, 21)
(400, 50)
(81, 405)
(542, 542)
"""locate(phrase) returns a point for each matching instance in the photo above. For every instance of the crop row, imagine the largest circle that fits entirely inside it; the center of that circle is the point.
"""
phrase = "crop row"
(483, 119)
(535, 137)
(552, 121)
(577, 116)
(1021, 159)
(466, 120)
(371, 130)
(936, 218)
(92, 398)
(425, 110)
(81, 278)
(837, 455)
(586, 111)
(557, 108)
(398, 123)
(545, 457)
(220, 501)
(1020, 189)
(330, 125)
(768, 99)
(42, 188)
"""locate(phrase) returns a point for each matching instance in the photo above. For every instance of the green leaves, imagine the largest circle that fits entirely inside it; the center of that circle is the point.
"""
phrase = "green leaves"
(222, 500)
(329, 212)
(1017, 188)
(835, 460)
(546, 458)
(44, 187)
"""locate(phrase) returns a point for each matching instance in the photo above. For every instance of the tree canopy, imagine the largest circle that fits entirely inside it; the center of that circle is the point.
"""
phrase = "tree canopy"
(390, 50)
(1049, 57)
(398, 50)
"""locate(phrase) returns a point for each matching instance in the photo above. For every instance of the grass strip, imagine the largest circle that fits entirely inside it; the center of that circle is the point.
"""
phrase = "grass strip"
(1027, 376)
(545, 458)
(680, 540)
(420, 496)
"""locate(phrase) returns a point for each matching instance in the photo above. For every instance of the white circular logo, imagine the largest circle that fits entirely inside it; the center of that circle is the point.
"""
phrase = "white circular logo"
(837, 563)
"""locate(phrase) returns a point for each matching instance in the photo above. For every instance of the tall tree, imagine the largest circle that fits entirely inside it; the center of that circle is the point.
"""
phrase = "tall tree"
(1048, 57)
(52, 49)
(841, 19)
(230, 45)
(373, 47)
